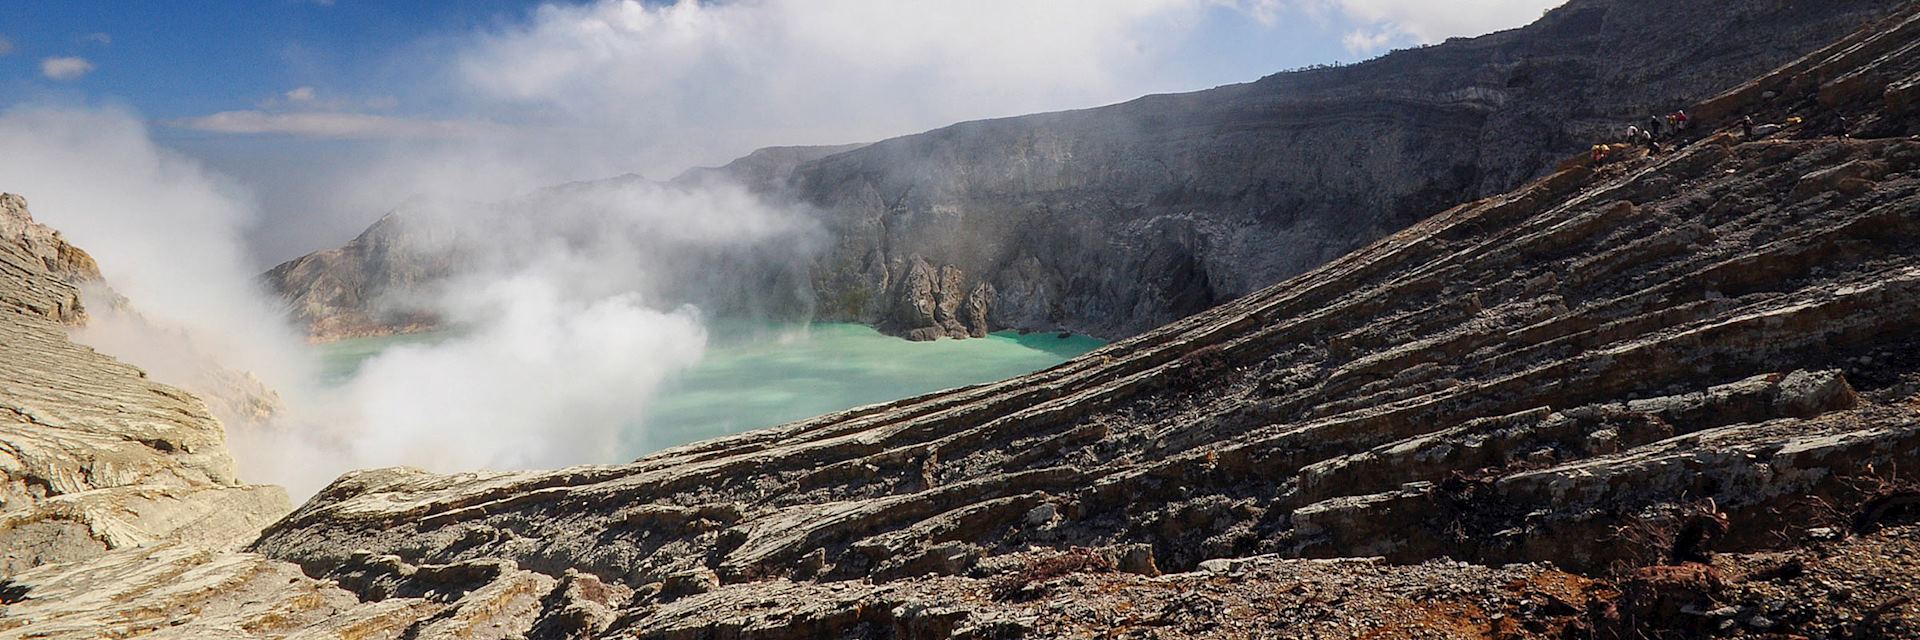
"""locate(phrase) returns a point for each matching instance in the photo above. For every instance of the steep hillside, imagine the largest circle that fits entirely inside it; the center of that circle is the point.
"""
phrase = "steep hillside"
(1662, 396)
(1116, 220)
(93, 455)
(1665, 396)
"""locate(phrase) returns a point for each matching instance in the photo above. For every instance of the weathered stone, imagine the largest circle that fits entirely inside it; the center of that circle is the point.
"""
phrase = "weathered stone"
(94, 455)
(1115, 220)
(1545, 376)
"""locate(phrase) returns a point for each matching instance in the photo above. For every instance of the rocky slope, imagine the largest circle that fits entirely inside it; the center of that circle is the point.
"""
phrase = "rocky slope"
(1664, 396)
(1116, 220)
(93, 455)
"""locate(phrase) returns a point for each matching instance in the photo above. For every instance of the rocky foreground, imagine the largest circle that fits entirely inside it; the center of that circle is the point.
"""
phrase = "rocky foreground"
(93, 455)
(1117, 220)
(1665, 396)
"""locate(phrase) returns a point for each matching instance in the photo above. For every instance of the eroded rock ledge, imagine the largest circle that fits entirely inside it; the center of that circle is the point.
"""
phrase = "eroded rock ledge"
(93, 455)
(1642, 364)
(1666, 395)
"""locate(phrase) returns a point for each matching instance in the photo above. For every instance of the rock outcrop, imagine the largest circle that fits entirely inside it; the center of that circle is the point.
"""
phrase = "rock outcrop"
(1658, 393)
(360, 289)
(93, 455)
(1116, 220)
(1669, 395)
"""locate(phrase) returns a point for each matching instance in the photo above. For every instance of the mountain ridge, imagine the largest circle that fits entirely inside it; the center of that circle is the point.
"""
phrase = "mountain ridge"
(1645, 396)
(1116, 219)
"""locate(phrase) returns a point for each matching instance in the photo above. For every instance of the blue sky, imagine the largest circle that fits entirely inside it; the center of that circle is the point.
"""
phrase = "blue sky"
(189, 57)
(328, 113)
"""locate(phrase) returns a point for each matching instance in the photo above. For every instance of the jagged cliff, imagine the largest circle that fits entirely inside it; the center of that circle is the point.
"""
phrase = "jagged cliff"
(1116, 220)
(93, 455)
(1665, 396)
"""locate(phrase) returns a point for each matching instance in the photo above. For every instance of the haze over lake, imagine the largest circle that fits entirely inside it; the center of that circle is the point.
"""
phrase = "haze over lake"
(755, 376)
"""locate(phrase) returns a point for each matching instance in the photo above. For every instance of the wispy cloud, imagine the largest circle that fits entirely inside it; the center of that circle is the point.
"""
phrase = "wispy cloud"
(65, 68)
(300, 94)
(6, 46)
(703, 81)
(331, 124)
(1384, 23)
(97, 37)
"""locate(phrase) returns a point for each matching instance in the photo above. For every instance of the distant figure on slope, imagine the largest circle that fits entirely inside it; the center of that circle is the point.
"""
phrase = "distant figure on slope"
(1653, 126)
(1642, 137)
(1845, 127)
(1746, 126)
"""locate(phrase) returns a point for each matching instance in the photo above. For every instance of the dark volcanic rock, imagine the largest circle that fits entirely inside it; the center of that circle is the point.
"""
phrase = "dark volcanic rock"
(1115, 220)
(1623, 371)
(1663, 396)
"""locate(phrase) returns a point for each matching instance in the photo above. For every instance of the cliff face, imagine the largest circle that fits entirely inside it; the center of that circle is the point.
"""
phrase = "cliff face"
(1665, 396)
(1115, 220)
(93, 455)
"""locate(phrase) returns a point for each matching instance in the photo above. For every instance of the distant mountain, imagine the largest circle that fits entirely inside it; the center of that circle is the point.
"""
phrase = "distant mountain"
(1114, 220)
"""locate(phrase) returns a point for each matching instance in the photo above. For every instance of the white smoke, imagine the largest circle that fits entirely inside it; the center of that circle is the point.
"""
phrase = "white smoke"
(541, 381)
(564, 331)
(166, 232)
(572, 313)
(167, 236)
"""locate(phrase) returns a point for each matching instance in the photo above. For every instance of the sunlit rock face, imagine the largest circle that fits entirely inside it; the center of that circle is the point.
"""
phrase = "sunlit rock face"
(93, 455)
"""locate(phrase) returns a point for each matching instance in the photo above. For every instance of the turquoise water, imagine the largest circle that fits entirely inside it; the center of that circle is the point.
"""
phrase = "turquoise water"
(756, 376)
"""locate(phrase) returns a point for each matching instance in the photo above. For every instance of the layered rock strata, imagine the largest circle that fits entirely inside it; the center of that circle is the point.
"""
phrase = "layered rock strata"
(93, 455)
(1663, 396)
(1619, 370)
(1116, 220)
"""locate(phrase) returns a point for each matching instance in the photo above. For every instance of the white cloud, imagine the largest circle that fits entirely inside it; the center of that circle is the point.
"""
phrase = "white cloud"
(65, 68)
(702, 82)
(97, 37)
(331, 124)
(300, 94)
(1389, 22)
(1369, 40)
